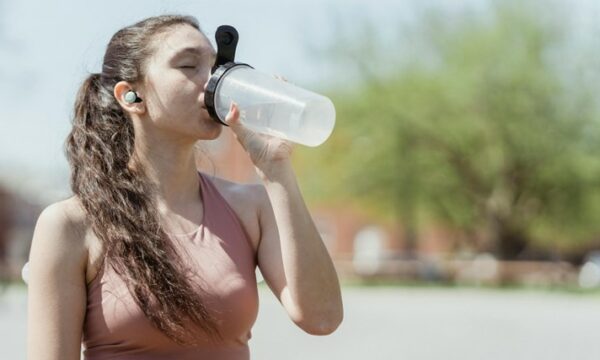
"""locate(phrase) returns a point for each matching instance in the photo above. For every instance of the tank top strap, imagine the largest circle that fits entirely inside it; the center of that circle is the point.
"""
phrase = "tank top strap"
(218, 213)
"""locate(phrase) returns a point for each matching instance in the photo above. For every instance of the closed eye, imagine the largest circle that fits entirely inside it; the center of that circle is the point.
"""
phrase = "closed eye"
(187, 67)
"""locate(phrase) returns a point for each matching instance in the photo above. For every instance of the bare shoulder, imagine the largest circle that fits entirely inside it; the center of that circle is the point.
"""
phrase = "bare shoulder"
(246, 200)
(73, 210)
(63, 223)
(58, 242)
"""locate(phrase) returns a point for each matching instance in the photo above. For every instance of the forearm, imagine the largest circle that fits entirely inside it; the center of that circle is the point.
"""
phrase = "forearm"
(311, 277)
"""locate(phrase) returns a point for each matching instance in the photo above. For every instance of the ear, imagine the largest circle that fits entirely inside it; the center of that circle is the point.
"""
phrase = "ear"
(121, 88)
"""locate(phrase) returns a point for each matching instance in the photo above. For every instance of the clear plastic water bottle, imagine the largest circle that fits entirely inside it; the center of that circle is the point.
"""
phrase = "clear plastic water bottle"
(267, 105)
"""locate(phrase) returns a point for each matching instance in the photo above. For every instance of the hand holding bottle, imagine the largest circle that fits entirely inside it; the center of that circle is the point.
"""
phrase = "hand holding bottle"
(264, 150)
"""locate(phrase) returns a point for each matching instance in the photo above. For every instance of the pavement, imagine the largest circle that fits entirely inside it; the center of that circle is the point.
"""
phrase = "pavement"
(405, 323)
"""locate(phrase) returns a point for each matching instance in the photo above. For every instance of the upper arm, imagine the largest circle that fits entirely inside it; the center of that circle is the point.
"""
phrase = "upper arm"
(56, 288)
(270, 260)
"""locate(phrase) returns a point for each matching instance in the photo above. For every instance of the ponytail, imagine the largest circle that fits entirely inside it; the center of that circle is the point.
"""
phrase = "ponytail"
(119, 201)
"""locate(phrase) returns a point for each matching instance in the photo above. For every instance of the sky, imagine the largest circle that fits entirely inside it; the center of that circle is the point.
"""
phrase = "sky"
(48, 48)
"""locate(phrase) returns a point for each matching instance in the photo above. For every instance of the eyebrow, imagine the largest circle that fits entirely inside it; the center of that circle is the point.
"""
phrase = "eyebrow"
(193, 51)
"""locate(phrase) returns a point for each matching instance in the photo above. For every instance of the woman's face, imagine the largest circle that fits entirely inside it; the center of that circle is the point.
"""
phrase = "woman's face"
(174, 84)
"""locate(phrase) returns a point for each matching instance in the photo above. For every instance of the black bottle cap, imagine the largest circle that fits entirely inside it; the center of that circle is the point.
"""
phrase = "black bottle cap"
(227, 39)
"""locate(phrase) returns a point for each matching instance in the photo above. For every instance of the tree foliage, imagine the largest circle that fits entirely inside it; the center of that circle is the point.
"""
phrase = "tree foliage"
(478, 130)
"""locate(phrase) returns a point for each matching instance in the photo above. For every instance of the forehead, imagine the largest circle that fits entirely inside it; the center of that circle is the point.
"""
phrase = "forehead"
(180, 40)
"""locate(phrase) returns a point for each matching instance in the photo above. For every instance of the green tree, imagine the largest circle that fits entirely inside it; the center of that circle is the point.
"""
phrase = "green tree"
(479, 130)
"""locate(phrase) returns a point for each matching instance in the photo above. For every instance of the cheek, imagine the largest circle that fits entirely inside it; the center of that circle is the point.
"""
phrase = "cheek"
(173, 98)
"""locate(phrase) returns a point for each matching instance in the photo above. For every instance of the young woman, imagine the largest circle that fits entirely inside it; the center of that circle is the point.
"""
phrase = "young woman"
(151, 258)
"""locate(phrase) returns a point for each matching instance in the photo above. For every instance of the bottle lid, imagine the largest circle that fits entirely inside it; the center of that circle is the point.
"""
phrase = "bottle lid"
(227, 39)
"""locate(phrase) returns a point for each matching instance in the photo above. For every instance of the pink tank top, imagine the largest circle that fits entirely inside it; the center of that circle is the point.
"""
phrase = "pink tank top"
(220, 252)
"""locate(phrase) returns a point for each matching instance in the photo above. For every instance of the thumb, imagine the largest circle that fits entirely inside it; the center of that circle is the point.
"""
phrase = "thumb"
(233, 116)
(233, 120)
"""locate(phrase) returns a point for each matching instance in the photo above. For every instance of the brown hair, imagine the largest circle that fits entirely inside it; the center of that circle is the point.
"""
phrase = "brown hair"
(116, 193)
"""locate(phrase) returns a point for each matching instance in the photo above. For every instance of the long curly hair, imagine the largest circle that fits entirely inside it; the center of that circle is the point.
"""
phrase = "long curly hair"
(119, 198)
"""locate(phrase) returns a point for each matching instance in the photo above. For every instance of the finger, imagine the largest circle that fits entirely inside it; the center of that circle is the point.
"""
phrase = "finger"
(233, 116)
(233, 120)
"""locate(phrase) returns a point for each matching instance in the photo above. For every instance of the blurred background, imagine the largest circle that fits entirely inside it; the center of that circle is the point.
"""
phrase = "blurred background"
(459, 194)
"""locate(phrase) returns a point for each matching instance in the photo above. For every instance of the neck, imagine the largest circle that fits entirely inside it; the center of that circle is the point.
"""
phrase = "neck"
(170, 163)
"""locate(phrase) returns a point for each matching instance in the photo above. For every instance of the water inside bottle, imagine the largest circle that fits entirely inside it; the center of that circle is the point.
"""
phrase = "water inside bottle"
(281, 119)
